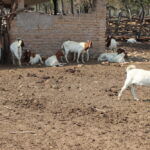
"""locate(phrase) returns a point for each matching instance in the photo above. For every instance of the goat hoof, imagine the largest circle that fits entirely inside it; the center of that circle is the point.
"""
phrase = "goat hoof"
(119, 98)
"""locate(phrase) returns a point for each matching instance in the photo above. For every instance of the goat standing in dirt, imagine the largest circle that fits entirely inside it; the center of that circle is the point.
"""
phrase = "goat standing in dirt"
(76, 47)
(135, 77)
(16, 50)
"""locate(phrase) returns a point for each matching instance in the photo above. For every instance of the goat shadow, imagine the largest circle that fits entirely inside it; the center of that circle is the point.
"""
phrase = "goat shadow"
(71, 64)
(25, 66)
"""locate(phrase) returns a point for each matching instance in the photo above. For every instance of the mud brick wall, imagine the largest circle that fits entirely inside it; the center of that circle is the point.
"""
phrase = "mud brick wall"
(44, 33)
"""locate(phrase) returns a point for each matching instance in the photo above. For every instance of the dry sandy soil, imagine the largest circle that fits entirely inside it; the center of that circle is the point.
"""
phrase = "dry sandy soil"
(74, 107)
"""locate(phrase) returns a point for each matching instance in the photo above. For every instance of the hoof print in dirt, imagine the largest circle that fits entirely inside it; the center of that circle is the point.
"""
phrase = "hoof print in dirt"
(72, 70)
(31, 75)
(30, 103)
(112, 91)
(46, 77)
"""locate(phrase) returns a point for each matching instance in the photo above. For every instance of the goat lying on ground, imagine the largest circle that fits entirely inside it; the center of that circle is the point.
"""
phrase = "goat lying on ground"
(121, 50)
(32, 58)
(16, 50)
(53, 60)
(106, 56)
(131, 40)
(135, 77)
(76, 47)
(118, 57)
(111, 43)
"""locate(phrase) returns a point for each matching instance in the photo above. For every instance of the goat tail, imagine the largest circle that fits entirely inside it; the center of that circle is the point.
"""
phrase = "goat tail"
(130, 67)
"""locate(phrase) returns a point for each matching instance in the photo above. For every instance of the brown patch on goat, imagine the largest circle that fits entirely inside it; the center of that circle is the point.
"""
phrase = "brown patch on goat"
(32, 54)
(27, 54)
(88, 45)
(121, 50)
(59, 54)
(26, 57)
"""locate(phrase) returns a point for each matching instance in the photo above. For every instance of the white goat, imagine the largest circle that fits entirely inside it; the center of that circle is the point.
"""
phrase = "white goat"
(76, 47)
(131, 41)
(32, 58)
(135, 77)
(112, 57)
(112, 43)
(52, 61)
(35, 59)
(16, 50)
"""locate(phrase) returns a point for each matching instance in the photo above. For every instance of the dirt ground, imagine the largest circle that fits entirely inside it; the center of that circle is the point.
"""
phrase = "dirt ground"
(74, 107)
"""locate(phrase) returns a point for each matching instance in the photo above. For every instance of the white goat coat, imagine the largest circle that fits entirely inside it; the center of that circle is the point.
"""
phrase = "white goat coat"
(36, 59)
(138, 77)
(113, 44)
(106, 56)
(52, 61)
(16, 51)
(118, 59)
(131, 40)
(135, 77)
(112, 57)
(75, 47)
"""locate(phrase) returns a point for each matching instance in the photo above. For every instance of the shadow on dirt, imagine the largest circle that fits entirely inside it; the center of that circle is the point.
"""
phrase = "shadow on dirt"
(137, 46)
(147, 100)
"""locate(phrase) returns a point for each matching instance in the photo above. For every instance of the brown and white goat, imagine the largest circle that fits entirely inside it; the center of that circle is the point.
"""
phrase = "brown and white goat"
(76, 47)
(53, 61)
(121, 50)
(32, 58)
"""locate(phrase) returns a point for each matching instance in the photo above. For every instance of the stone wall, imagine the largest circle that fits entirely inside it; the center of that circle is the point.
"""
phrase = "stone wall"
(44, 33)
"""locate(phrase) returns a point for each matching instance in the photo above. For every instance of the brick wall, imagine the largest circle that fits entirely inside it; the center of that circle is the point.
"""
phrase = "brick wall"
(44, 34)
